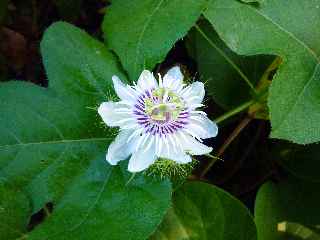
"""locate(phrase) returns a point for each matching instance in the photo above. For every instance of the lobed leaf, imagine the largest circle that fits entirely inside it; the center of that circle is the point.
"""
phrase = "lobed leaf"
(14, 212)
(216, 65)
(53, 147)
(141, 33)
(289, 29)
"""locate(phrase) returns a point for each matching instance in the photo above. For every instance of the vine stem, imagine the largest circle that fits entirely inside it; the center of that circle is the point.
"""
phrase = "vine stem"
(226, 144)
(234, 111)
(243, 76)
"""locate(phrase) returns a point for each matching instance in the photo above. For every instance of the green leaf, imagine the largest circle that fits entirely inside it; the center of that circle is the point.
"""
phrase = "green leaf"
(292, 200)
(53, 147)
(101, 205)
(44, 143)
(143, 39)
(202, 211)
(224, 83)
(79, 67)
(301, 161)
(276, 28)
(14, 212)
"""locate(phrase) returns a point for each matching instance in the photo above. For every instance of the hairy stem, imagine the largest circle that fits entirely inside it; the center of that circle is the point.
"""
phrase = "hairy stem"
(234, 111)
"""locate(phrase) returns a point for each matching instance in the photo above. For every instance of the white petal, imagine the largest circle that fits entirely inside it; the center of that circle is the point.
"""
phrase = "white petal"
(202, 126)
(193, 94)
(143, 158)
(174, 152)
(147, 81)
(181, 157)
(124, 92)
(120, 148)
(173, 79)
(115, 114)
(192, 146)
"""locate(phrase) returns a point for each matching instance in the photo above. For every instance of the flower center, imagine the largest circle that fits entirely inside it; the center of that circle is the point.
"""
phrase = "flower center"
(161, 112)
(163, 106)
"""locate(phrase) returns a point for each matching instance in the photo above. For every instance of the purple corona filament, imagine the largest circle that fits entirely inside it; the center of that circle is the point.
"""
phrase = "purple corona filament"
(158, 127)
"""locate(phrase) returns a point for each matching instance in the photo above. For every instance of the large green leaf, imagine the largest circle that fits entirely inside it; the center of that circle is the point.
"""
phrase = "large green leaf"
(141, 32)
(101, 205)
(53, 147)
(224, 83)
(79, 68)
(14, 212)
(291, 201)
(202, 211)
(290, 29)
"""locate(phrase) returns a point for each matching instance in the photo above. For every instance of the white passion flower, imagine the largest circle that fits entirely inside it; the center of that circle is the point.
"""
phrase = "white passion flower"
(157, 120)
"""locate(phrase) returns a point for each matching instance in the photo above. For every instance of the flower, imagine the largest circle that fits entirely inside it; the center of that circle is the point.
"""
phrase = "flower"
(157, 120)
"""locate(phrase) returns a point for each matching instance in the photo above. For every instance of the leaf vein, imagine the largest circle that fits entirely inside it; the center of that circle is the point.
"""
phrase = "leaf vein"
(61, 141)
(149, 18)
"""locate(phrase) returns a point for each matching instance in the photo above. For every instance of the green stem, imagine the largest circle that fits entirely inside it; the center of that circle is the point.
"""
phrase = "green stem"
(298, 230)
(214, 159)
(244, 77)
(226, 144)
(234, 111)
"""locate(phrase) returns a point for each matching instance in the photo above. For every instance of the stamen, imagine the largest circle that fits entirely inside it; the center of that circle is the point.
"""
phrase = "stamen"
(160, 112)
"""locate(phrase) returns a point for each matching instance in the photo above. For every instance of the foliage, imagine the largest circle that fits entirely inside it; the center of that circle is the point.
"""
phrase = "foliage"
(201, 211)
(259, 60)
(54, 150)
(292, 200)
